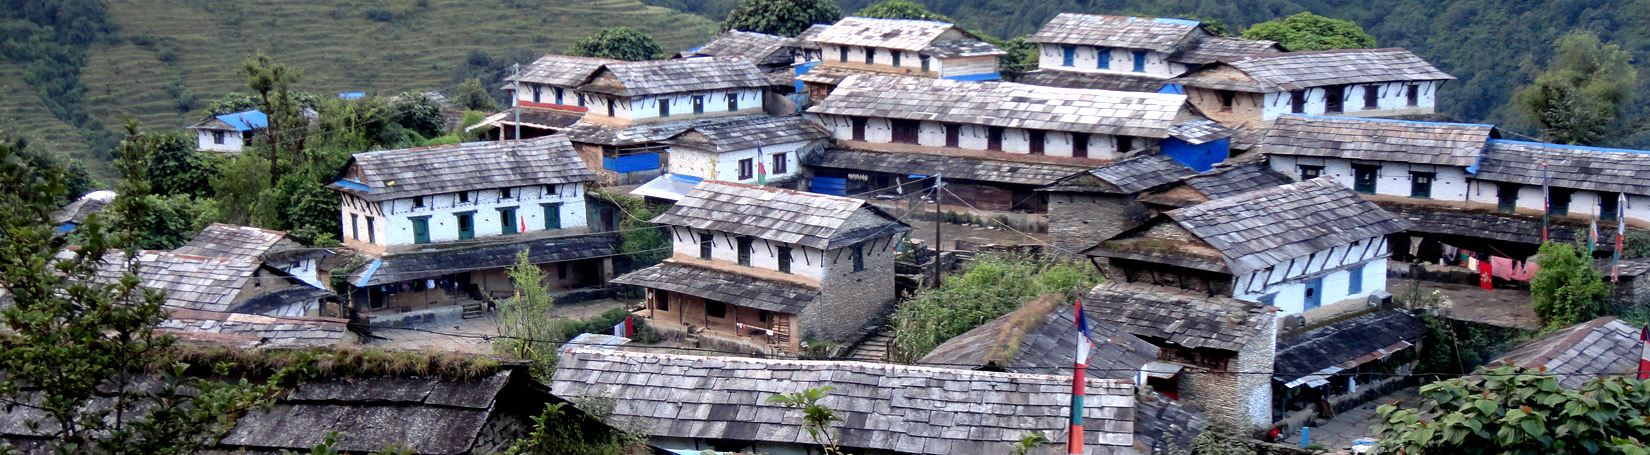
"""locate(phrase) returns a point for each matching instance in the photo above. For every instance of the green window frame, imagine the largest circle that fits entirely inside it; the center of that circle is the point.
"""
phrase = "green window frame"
(552, 216)
(466, 225)
(507, 221)
(1364, 177)
(421, 229)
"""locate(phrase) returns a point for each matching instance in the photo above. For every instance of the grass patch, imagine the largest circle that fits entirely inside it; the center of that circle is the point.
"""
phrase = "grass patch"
(991, 286)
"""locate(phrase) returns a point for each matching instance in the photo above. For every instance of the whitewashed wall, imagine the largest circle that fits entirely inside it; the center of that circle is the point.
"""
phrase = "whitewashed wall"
(909, 60)
(681, 105)
(977, 137)
(1087, 60)
(698, 163)
(1582, 202)
(393, 218)
(354, 213)
(1288, 280)
(547, 94)
(231, 141)
(1394, 178)
(806, 262)
(305, 271)
(1394, 101)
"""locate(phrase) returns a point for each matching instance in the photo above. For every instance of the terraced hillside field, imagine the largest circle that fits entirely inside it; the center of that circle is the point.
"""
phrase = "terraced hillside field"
(352, 45)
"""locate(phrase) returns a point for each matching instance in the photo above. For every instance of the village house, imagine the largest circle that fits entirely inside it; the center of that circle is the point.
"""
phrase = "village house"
(75, 214)
(756, 150)
(1583, 182)
(690, 403)
(1580, 353)
(544, 97)
(272, 248)
(859, 45)
(1089, 207)
(634, 105)
(229, 133)
(1037, 339)
(1033, 134)
(770, 53)
(1250, 92)
(253, 331)
(808, 51)
(1387, 159)
(217, 284)
(440, 224)
(1128, 53)
(1344, 364)
(768, 268)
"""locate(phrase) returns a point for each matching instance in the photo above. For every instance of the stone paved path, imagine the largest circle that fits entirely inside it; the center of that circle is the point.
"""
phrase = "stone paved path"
(1338, 433)
(471, 330)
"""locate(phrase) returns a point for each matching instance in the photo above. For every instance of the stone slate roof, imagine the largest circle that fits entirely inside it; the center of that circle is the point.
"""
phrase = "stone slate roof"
(962, 48)
(265, 331)
(657, 77)
(292, 300)
(749, 133)
(1298, 70)
(884, 407)
(77, 211)
(965, 168)
(588, 132)
(1142, 173)
(1224, 182)
(1193, 319)
(445, 258)
(1263, 228)
(1445, 144)
(1345, 344)
(561, 70)
(1579, 353)
(1209, 49)
(1037, 339)
(1098, 81)
(429, 415)
(778, 214)
(724, 286)
(805, 39)
(422, 171)
(190, 282)
(902, 34)
(1004, 104)
(759, 48)
(549, 119)
(1198, 130)
(228, 241)
(1492, 225)
(1586, 168)
(1161, 423)
(1156, 34)
(833, 75)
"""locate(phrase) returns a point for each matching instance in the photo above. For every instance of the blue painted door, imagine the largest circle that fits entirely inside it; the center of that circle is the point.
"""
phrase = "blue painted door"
(1314, 293)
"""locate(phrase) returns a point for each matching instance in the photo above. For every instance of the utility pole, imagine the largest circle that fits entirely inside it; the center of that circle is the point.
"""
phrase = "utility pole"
(938, 218)
(516, 94)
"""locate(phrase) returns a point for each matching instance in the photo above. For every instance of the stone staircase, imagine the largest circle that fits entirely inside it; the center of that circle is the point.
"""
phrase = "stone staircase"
(874, 347)
(474, 310)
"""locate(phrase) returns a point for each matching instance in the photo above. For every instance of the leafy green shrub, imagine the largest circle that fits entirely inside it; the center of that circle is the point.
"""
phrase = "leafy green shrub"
(992, 285)
(567, 329)
(1567, 289)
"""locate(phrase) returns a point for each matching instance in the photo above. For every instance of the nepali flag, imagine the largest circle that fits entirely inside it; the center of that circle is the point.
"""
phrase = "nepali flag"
(1074, 443)
(1644, 353)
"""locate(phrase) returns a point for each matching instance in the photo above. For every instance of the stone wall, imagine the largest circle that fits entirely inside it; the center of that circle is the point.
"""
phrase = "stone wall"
(500, 432)
(1078, 221)
(848, 299)
(1242, 392)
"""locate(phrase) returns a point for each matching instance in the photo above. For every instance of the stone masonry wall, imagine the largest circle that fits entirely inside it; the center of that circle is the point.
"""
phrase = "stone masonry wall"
(1077, 221)
(848, 299)
(1242, 393)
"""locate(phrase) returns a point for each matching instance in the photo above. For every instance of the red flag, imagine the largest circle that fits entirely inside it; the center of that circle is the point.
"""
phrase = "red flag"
(1644, 353)
(1485, 272)
(629, 327)
(523, 223)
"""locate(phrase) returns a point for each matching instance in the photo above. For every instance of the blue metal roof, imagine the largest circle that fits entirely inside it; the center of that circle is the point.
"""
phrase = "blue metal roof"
(246, 120)
(1567, 146)
(351, 184)
(351, 95)
(371, 269)
(1167, 20)
(977, 77)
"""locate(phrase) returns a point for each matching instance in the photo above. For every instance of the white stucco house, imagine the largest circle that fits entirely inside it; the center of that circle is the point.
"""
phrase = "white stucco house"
(1252, 91)
(1394, 158)
(1128, 53)
(859, 45)
(229, 133)
(756, 150)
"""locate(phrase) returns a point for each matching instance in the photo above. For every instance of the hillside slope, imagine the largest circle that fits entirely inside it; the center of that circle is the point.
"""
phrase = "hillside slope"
(167, 46)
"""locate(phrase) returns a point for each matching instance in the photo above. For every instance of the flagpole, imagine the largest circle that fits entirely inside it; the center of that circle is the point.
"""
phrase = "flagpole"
(1074, 444)
(1546, 202)
(1621, 236)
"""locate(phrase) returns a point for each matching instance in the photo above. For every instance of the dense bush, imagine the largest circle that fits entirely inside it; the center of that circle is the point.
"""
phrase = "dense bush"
(991, 286)
(567, 329)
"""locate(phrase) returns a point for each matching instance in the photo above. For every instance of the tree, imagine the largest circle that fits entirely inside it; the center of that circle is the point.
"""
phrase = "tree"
(472, 96)
(176, 167)
(1310, 32)
(1509, 409)
(78, 180)
(524, 325)
(781, 17)
(1583, 92)
(816, 419)
(272, 82)
(620, 43)
(75, 344)
(419, 113)
(901, 9)
(1566, 289)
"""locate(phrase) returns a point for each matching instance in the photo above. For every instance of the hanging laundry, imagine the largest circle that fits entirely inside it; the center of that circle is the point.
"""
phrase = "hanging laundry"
(1526, 271)
(1503, 267)
(429, 284)
(1472, 263)
(1484, 274)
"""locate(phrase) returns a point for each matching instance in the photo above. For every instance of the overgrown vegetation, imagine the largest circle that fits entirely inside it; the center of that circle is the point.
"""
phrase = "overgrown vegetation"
(1452, 347)
(1567, 289)
(642, 243)
(992, 285)
(1311, 32)
(52, 38)
(524, 327)
(563, 430)
(816, 419)
(620, 43)
(1583, 91)
(1515, 409)
(773, 17)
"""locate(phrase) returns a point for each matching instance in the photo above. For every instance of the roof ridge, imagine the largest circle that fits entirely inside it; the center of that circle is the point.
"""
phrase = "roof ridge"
(1388, 120)
(1569, 146)
(965, 373)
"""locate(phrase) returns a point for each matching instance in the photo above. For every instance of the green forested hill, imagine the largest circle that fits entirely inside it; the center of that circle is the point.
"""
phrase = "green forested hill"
(170, 58)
